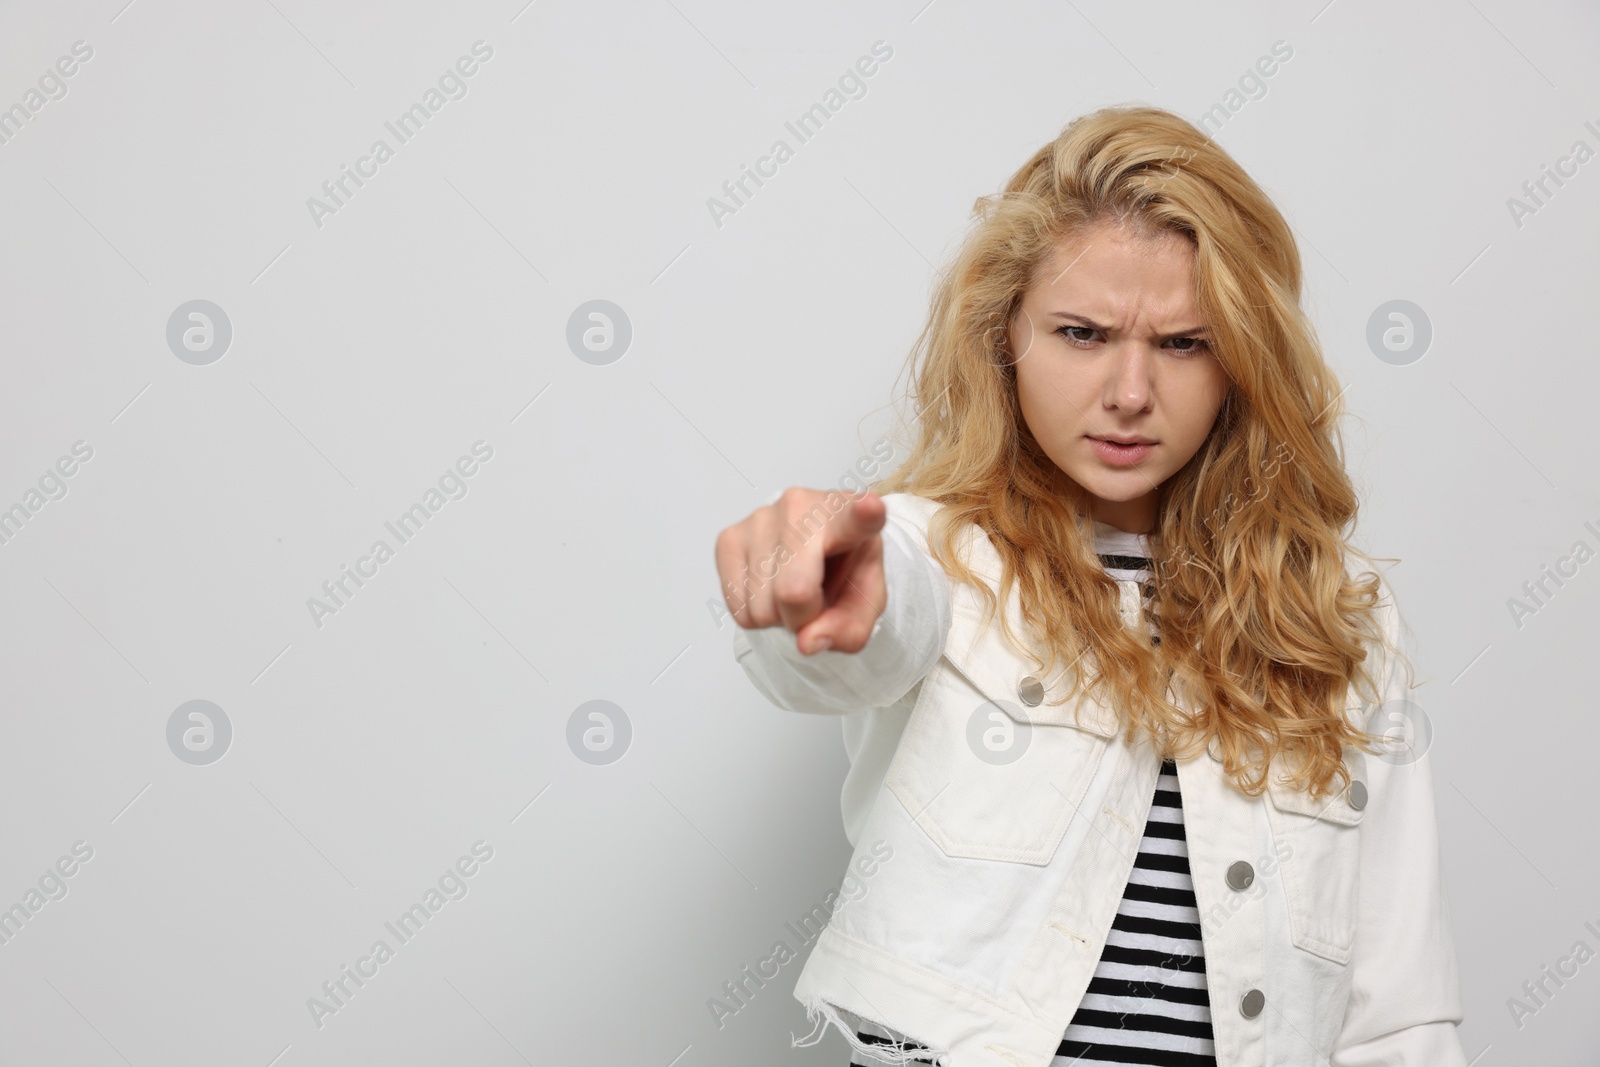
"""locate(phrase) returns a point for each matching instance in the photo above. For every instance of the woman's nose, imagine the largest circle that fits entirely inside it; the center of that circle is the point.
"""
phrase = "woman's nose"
(1128, 377)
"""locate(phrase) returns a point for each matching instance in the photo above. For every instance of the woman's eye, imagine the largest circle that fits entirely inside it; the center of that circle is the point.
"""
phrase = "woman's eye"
(1184, 345)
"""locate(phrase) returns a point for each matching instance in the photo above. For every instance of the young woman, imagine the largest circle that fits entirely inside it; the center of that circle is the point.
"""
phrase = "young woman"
(1104, 656)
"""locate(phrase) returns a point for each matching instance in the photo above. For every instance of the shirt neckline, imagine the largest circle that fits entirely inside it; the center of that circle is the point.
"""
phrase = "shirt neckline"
(1110, 541)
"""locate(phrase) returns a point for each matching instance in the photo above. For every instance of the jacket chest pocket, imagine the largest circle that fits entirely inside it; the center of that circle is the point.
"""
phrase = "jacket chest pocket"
(986, 767)
(1318, 843)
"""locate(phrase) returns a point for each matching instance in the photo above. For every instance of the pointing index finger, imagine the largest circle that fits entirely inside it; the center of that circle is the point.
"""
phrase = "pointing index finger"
(858, 520)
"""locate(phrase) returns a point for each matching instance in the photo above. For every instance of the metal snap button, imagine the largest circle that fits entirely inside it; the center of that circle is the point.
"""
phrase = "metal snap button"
(1251, 1003)
(1030, 691)
(1240, 875)
(1358, 795)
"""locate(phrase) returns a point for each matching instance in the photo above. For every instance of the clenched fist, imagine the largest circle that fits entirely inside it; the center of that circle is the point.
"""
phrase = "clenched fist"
(818, 573)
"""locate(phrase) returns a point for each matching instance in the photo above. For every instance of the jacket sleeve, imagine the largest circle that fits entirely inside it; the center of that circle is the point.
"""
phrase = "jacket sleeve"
(905, 644)
(1405, 998)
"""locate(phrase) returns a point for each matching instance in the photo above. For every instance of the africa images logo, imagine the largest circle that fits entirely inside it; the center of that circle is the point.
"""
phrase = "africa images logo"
(741, 989)
(452, 885)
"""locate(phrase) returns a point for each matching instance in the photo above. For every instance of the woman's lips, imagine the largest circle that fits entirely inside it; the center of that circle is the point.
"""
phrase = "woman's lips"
(1121, 455)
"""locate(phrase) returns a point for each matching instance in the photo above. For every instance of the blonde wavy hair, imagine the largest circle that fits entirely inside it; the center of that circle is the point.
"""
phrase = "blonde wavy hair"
(1261, 624)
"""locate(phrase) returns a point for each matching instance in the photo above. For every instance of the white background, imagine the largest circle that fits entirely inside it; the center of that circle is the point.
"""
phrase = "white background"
(431, 311)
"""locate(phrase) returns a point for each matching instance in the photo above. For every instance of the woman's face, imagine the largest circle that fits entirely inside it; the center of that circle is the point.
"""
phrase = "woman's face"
(1108, 344)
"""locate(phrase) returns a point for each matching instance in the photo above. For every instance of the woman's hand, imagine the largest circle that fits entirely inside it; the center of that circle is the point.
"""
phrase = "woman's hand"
(823, 583)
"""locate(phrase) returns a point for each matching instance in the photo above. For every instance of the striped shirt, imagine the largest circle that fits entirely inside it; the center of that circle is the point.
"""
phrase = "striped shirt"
(1146, 1003)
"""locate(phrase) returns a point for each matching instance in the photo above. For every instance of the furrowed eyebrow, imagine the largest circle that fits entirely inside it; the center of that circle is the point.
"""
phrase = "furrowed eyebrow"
(1091, 324)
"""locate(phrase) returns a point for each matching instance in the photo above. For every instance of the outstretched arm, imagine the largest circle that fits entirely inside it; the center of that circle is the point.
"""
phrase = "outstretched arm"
(906, 641)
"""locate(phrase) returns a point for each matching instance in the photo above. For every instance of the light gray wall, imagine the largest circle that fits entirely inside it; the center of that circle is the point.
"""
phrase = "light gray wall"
(373, 346)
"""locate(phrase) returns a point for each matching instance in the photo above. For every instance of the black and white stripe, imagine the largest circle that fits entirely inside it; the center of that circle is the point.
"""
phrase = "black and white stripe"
(1147, 1001)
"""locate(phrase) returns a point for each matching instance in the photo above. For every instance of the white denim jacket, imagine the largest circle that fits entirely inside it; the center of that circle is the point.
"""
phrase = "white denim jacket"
(1325, 926)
